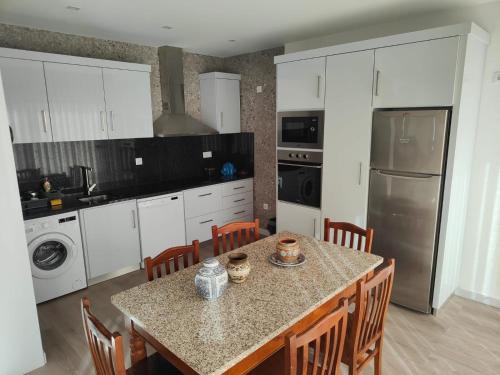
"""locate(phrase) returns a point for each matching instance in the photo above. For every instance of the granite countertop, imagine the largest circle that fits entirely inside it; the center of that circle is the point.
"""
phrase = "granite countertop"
(212, 336)
(117, 194)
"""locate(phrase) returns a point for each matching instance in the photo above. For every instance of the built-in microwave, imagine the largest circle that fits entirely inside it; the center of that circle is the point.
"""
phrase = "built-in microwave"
(301, 129)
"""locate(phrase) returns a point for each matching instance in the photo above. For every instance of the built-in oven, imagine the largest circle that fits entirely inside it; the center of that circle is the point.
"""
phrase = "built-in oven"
(301, 129)
(299, 177)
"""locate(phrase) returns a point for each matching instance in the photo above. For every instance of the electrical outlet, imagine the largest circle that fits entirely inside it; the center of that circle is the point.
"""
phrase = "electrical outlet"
(265, 206)
(259, 89)
(207, 154)
(138, 161)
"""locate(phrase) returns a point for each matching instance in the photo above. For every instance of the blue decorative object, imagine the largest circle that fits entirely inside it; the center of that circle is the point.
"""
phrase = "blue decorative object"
(211, 279)
(228, 169)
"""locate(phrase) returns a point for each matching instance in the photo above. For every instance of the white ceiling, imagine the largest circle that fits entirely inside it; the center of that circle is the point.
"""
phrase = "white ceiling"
(207, 26)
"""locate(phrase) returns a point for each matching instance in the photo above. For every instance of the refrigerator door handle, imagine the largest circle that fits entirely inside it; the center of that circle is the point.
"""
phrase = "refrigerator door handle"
(408, 176)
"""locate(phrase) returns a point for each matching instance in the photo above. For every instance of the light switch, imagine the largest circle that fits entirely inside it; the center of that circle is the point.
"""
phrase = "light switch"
(259, 89)
(496, 77)
(207, 154)
(138, 161)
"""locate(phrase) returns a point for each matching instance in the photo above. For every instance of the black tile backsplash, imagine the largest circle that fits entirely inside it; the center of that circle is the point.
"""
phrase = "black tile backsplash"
(113, 161)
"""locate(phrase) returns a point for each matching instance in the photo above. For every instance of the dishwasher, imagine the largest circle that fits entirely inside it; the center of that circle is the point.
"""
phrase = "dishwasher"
(161, 223)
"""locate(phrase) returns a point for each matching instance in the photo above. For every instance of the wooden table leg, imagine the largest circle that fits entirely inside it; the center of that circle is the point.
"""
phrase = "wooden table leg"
(136, 342)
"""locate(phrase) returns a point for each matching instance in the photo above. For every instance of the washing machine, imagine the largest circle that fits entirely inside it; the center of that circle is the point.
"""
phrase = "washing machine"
(56, 255)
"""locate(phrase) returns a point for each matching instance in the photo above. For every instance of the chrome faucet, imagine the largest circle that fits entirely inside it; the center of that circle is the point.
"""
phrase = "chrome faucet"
(86, 179)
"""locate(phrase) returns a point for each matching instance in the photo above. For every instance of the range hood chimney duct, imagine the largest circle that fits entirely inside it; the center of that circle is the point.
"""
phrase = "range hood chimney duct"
(174, 122)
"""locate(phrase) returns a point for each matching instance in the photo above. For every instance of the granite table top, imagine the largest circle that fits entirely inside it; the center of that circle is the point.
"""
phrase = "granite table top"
(213, 336)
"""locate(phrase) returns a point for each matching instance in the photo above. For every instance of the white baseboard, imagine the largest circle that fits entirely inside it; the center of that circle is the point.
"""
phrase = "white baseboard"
(478, 297)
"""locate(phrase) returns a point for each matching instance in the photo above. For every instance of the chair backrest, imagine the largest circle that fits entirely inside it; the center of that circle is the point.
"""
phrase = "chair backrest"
(223, 237)
(105, 347)
(161, 264)
(356, 235)
(372, 301)
(319, 349)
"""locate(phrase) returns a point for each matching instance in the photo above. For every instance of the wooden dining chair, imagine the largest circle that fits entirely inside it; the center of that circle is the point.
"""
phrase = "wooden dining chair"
(365, 331)
(106, 349)
(316, 351)
(161, 264)
(243, 230)
(356, 235)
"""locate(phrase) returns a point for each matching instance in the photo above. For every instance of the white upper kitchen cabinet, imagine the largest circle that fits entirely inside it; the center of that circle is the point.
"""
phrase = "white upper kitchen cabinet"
(220, 101)
(300, 85)
(347, 134)
(128, 103)
(26, 99)
(416, 74)
(76, 100)
(111, 238)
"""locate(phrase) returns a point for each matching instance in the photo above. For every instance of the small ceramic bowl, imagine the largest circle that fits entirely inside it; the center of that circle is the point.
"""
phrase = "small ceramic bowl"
(288, 249)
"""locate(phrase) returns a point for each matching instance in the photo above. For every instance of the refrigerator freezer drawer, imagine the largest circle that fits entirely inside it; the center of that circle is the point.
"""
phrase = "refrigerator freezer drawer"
(410, 141)
(403, 211)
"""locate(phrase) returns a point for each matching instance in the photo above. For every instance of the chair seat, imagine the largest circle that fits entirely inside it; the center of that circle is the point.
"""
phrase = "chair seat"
(155, 364)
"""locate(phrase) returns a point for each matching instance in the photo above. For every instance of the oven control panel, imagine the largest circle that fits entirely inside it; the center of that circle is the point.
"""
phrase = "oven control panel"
(301, 156)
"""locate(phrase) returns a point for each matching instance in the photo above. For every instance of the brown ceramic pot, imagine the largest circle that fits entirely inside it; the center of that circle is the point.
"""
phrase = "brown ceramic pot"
(238, 267)
(288, 249)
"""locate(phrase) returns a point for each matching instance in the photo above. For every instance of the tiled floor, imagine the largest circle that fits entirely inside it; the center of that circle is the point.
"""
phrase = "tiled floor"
(463, 339)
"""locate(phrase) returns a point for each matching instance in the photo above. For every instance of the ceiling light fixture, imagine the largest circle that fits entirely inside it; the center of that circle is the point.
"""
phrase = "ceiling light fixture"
(71, 7)
(166, 27)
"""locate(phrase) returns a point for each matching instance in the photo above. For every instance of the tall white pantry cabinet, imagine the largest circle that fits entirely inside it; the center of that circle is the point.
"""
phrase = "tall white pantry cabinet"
(440, 67)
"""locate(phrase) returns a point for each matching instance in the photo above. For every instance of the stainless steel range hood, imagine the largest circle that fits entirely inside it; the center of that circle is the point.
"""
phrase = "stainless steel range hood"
(174, 122)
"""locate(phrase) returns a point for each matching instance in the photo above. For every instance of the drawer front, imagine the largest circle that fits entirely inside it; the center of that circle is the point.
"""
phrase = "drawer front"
(237, 200)
(240, 213)
(200, 228)
(202, 201)
(237, 187)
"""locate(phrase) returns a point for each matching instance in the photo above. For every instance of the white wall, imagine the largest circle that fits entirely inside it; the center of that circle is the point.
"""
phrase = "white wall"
(20, 341)
(480, 263)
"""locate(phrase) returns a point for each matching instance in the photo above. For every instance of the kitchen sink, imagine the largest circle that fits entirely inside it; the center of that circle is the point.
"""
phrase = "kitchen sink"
(94, 199)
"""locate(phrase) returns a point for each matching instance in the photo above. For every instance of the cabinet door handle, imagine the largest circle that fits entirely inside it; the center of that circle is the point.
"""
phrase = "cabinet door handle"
(239, 212)
(359, 176)
(204, 195)
(102, 120)
(221, 120)
(11, 134)
(44, 121)
(239, 200)
(318, 88)
(377, 76)
(314, 227)
(238, 187)
(206, 221)
(111, 121)
(133, 219)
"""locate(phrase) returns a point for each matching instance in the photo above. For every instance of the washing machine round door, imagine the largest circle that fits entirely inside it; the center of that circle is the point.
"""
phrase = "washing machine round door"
(51, 255)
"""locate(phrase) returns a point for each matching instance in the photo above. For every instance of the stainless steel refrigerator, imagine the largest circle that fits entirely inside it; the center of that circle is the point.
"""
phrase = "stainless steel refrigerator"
(408, 155)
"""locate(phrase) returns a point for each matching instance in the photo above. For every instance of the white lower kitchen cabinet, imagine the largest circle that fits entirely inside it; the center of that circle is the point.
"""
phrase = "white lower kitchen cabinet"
(298, 219)
(110, 236)
(346, 151)
(161, 223)
(200, 228)
(218, 204)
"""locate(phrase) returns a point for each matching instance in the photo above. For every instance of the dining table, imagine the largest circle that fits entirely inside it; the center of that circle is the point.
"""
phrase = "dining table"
(248, 323)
